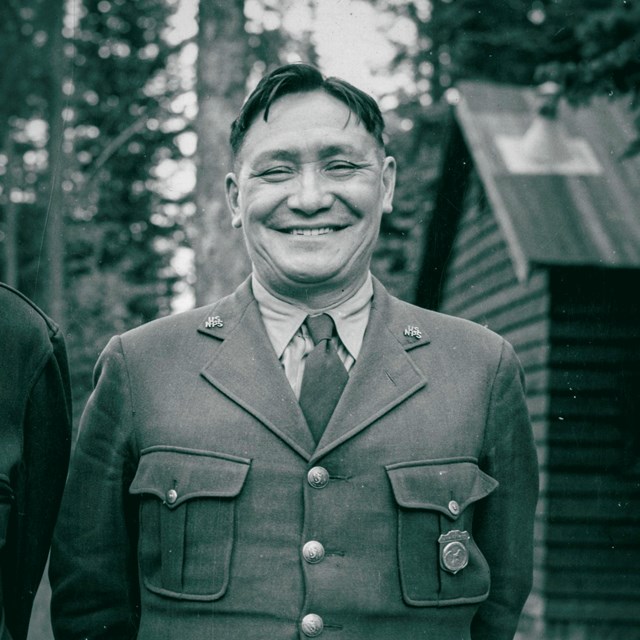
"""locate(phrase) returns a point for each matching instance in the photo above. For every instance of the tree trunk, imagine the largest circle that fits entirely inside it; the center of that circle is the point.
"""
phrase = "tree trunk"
(11, 268)
(220, 257)
(54, 294)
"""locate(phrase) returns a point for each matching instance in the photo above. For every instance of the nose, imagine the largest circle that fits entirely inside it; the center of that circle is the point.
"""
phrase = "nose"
(310, 194)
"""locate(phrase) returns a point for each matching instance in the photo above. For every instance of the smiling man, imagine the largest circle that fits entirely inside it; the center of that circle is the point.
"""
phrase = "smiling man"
(310, 187)
(309, 456)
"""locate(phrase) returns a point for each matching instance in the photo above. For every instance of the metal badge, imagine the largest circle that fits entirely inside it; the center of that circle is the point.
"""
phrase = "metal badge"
(413, 332)
(454, 554)
(213, 321)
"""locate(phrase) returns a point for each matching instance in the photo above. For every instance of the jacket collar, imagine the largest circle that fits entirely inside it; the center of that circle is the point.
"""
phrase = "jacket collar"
(246, 369)
(384, 375)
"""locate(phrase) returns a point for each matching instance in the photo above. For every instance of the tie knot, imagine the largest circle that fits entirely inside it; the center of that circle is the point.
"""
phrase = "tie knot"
(320, 327)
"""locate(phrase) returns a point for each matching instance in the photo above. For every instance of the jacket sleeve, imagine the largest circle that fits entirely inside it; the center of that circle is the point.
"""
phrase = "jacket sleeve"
(503, 523)
(93, 558)
(38, 483)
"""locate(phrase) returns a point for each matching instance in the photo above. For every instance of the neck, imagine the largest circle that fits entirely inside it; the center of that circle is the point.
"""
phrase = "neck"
(313, 298)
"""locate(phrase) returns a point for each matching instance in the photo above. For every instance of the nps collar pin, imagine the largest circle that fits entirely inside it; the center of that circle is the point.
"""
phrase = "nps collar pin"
(413, 332)
(213, 321)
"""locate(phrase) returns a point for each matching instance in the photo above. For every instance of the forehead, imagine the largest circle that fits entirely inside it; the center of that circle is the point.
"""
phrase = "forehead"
(302, 120)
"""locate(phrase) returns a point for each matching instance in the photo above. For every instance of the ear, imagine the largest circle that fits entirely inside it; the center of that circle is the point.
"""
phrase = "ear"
(388, 183)
(233, 199)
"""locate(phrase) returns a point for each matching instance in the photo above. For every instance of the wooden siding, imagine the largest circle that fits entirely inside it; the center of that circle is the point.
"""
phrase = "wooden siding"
(575, 326)
(592, 559)
(480, 284)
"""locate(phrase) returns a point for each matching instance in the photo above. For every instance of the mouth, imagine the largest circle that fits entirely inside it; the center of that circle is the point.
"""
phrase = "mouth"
(318, 231)
(311, 232)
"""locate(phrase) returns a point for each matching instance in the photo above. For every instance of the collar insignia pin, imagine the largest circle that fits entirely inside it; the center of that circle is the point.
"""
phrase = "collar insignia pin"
(213, 321)
(413, 332)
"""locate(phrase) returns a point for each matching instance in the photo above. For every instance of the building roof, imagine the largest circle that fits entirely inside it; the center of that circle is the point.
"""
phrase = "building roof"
(559, 187)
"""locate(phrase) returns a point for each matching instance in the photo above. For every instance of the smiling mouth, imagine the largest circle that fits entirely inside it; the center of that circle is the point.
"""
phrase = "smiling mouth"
(321, 231)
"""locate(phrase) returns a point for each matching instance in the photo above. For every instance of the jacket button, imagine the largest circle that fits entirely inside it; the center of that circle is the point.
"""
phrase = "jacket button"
(318, 477)
(312, 625)
(454, 507)
(172, 496)
(313, 552)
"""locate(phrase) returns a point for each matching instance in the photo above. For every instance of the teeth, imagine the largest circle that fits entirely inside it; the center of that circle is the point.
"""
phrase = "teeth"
(311, 232)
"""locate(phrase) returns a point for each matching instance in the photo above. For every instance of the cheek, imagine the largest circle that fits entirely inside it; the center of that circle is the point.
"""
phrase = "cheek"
(260, 201)
(364, 197)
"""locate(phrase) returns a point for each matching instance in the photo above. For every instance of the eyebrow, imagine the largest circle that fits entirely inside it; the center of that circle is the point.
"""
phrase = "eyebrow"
(277, 154)
(292, 156)
(337, 149)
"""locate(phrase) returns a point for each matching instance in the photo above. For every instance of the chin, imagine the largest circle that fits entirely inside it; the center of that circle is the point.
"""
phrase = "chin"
(309, 269)
(312, 278)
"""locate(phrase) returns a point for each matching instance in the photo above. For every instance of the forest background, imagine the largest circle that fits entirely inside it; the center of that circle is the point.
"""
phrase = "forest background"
(114, 122)
(115, 116)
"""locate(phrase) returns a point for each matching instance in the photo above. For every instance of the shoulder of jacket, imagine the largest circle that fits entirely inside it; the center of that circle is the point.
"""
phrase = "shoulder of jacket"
(22, 314)
(439, 328)
(165, 326)
(229, 307)
(434, 325)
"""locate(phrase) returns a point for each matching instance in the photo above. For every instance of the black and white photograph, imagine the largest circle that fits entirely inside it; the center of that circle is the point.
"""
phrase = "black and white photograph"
(320, 319)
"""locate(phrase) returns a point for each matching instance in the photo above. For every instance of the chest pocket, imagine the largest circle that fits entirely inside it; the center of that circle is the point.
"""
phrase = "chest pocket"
(439, 562)
(187, 520)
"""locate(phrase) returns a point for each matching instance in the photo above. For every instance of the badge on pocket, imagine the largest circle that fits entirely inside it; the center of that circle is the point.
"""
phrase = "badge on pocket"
(454, 554)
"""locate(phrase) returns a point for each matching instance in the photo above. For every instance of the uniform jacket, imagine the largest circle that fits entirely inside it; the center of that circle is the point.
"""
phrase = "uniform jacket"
(196, 487)
(35, 436)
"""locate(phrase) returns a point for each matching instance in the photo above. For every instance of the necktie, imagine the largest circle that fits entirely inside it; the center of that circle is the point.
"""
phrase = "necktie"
(324, 375)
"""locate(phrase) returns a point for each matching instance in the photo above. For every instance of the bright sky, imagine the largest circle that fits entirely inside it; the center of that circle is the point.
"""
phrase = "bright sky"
(353, 41)
(352, 37)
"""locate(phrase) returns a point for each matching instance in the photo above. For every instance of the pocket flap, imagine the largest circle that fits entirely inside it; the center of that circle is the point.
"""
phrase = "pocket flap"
(174, 474)
(447, 486)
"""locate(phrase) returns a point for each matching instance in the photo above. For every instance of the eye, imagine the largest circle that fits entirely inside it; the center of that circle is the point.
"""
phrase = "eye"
(341, 168)
(276, 174)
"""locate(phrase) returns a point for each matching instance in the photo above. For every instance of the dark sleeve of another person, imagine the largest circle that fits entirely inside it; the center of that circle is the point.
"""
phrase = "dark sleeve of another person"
(36, 477)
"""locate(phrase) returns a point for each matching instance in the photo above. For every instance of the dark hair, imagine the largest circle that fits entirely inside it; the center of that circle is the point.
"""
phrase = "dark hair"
(303, 78)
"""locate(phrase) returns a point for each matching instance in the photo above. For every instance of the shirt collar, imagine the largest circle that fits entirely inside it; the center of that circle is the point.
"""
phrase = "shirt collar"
(282, 319)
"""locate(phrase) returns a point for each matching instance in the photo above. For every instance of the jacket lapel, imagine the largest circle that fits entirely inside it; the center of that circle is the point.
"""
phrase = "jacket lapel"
(245, 368)
(384, 375)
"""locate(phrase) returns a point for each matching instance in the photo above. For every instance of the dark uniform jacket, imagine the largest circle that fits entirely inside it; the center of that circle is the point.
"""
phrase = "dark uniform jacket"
(35, 436)
(199, 507)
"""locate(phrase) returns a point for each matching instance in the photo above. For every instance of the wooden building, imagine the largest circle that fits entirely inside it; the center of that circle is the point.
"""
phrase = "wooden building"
(536, 234)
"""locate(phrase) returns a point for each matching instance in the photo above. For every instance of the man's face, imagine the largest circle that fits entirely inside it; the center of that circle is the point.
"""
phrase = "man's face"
(310, 189)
